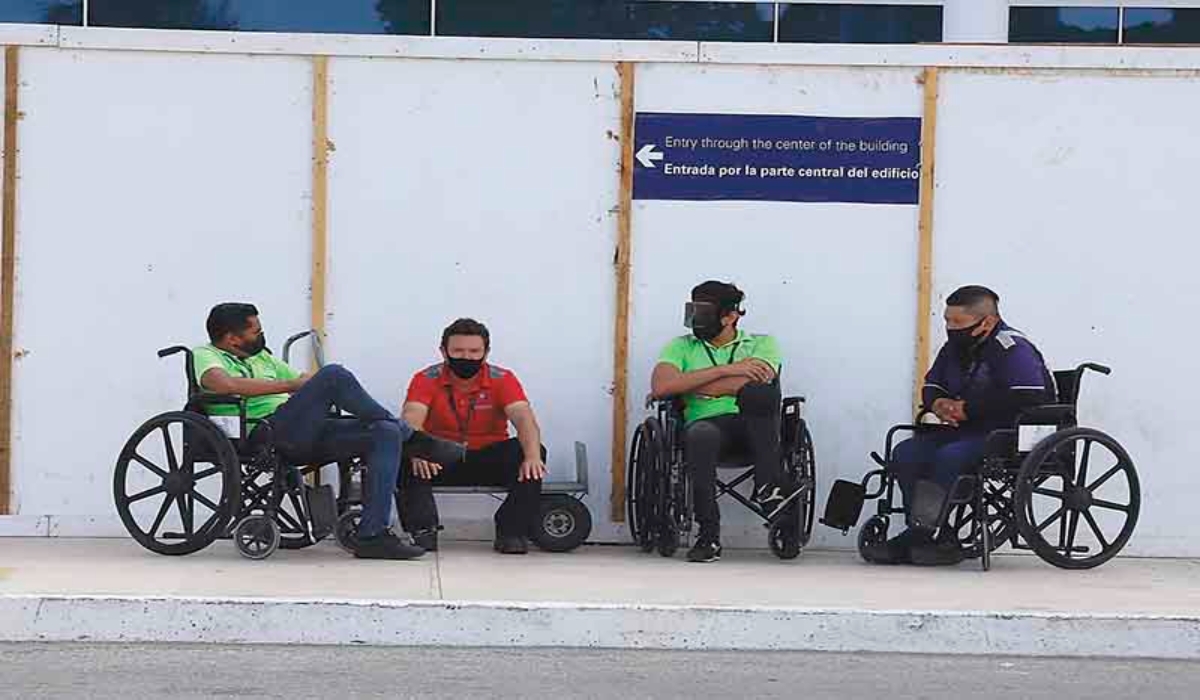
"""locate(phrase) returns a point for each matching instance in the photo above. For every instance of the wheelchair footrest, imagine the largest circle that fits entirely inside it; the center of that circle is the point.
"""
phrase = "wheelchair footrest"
(844, 505)
(322, 505)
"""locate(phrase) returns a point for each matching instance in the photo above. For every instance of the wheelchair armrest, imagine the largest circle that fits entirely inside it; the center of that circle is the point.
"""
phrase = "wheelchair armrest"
(219, 399)
(1050, 414)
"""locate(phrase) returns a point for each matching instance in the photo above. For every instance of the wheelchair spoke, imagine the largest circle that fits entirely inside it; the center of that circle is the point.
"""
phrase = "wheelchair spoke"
(1095, 529)
(1107, 475)
(205, 500)
(1048, 492)
(1081, 477)
(207, 473)
(185, 514)
(169, 448)
(1053, 516)
(149, 465)
(130, 500)
(1073, 525)
(162, 513)
(1109, 505)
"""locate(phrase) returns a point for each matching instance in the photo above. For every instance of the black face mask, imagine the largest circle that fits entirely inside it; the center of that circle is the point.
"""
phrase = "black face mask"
(961, 339)
(464, 368)
(255, 346)
(704, 318)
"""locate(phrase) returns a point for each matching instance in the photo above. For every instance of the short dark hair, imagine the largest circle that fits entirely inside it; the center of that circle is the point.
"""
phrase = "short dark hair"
(976, 298)
(230, 317)
(725, 295)
(466, 326)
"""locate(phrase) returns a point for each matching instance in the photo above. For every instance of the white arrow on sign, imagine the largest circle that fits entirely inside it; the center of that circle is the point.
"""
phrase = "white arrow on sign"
(646, 155)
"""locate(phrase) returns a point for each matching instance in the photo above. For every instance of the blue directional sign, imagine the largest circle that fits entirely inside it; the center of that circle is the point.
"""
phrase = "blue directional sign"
(777, 158)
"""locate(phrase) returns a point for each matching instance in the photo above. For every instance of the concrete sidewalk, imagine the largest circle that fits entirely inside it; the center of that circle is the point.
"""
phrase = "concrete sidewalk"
(112, 590)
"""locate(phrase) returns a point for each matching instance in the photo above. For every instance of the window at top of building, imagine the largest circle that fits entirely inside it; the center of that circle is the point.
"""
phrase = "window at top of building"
(850, 23)
(607, 19)
(1063, 25)
(336, 16)
(1162, 26)
(42, 11)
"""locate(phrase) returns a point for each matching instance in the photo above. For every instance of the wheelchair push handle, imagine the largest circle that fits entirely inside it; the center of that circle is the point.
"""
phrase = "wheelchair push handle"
(318, 348)
(1102, 369)
(173, 350)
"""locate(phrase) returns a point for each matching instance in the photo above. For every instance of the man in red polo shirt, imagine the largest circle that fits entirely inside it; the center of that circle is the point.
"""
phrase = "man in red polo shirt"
(467, 400)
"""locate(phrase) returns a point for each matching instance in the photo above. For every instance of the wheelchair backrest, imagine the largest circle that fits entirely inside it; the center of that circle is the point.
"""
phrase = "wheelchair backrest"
(1066, 383)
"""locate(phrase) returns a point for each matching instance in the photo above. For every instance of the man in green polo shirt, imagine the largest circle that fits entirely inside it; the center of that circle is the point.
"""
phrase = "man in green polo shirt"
(728, 380)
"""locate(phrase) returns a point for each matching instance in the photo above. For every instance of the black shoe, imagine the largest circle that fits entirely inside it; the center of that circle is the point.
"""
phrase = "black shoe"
(773, 498)
(422, 445)
(897, 550)
(704, 551)
(426, 539)
(386, 545)
(946, 552)
(510, 545)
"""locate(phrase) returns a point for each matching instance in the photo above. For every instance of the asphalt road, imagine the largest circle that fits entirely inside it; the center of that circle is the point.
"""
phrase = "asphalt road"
(137, 672)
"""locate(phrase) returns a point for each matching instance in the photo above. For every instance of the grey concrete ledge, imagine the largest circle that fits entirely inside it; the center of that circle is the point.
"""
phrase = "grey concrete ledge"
(469, 624)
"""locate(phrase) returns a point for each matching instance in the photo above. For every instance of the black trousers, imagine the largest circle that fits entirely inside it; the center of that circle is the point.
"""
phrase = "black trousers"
(749, 436)
(498, 464)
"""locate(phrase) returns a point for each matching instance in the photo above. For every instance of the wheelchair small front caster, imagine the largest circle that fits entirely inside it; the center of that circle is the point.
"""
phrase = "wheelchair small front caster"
(256, 536)
(784, 539)
(346, 532)
(668, 542)
(873, 532)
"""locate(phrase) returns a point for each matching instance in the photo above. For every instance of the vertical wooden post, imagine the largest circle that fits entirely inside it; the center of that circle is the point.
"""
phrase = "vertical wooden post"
(925, 231)
(320, 206)
(621, 261)
(320, 190)
(8, 265)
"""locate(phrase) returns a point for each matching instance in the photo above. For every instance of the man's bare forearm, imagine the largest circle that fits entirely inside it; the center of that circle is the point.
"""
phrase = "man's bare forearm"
(687, 382)
(728, 386)
(529, 434)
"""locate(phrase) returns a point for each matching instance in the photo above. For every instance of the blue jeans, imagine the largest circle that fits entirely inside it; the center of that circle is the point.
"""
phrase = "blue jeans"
(303, 423)
(939, 456)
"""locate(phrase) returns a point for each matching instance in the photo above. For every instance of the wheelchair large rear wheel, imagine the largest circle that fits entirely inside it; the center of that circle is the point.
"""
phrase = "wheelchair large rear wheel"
(802, 465)
(643, 494)
(176, 483)
(1077, 498)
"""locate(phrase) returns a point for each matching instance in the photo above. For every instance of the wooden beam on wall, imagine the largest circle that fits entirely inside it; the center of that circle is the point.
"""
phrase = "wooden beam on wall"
(621, 261)
(8, 268)
(320, 191)
(925, 231)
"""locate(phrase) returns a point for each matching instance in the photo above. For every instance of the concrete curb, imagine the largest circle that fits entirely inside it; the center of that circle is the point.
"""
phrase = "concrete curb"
(399, 623)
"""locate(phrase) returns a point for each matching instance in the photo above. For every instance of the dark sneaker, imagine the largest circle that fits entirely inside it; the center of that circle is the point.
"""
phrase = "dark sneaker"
(704, 551)
(943, 553)
(510, 545)
(426, 539)
(422, 445)
(773, 498)
(897, 550)
(386, 545)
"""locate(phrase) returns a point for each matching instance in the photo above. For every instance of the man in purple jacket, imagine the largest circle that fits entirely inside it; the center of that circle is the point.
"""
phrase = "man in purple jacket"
(983, 377)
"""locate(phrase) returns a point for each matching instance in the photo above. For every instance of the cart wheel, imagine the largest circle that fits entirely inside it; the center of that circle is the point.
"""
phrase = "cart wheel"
(346, 532)
(256, 536)
(565, 524)
(874, 531)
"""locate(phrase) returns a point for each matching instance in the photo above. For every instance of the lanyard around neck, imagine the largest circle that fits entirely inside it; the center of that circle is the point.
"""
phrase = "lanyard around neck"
(713, 358)
(463, 423)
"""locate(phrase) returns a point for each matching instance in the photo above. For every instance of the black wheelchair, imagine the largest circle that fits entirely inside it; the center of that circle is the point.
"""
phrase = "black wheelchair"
(1040, 473)
(658, 484)
(219, 477)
